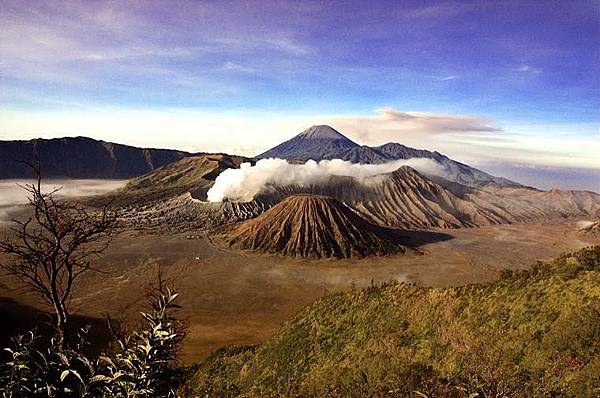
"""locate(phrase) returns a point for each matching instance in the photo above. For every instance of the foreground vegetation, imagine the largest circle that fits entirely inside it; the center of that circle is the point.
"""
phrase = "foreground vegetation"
(142, 363)
(47, 253)
(531, 334)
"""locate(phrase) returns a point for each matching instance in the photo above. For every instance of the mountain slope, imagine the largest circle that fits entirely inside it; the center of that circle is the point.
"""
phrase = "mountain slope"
(312, 141)
(81, 157)
(175, 195)
(408, 199)
(402, 199)
(593, 228)
(329, 145)
(312, 226)
(532, 334)
(194, 174)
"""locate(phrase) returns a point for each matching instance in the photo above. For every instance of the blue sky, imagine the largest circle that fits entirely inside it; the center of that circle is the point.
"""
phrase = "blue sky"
(513, 83)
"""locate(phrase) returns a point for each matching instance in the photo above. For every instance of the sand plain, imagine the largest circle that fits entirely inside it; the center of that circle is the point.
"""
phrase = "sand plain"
(235, 297)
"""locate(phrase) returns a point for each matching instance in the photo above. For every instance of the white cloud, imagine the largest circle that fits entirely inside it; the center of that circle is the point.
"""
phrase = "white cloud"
(465, 138)
(235, 67)
(52, 41)
(245, 183)
(528, 69)
(389, 124)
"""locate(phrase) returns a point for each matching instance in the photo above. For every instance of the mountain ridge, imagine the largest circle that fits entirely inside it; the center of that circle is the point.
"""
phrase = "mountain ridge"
(303, 148)
(176, 195)
(81, 157)
(406, 198)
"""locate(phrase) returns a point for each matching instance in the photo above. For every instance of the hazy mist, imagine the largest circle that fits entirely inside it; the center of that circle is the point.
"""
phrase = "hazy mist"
(13, 196)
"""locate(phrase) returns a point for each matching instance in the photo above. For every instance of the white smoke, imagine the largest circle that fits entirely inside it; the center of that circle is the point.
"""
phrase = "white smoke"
(245, 183)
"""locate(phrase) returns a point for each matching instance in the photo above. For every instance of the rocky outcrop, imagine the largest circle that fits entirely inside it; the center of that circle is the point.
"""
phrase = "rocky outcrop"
(592, 229)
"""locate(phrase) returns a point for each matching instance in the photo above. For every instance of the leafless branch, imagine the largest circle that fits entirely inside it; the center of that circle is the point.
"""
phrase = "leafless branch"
(55, 246)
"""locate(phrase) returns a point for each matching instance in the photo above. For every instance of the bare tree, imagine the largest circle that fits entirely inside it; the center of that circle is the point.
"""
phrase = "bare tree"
(55, 246)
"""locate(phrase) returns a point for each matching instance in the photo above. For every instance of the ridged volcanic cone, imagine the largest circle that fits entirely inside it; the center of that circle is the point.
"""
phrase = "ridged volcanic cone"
(313, 226)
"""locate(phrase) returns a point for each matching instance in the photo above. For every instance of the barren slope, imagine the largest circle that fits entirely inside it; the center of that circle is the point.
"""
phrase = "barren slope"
(526, 205)
(407, 199)
(194, 174)
(312, 226)
(174, 196)
(593, 228)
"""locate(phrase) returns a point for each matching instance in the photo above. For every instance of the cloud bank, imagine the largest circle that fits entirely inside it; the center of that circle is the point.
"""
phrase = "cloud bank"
(546, 177)
(13, 197)
(389, 124)
(245, 183)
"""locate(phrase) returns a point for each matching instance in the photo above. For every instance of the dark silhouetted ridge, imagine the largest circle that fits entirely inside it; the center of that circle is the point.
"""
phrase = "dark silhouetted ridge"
(81, 157)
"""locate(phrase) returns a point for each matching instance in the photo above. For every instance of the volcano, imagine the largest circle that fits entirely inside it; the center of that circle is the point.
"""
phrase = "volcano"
(313, 226)
(408, 199)
(403, 199)
(325, 143)
(311, 144)
(175, 195)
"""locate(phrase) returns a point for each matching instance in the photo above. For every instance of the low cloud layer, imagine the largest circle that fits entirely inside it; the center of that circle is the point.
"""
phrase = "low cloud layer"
(389, 124)
(546, 177)
(13, 196)
(245, 183)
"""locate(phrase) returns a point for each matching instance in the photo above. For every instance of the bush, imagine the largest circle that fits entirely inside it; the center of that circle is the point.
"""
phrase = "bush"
(142, 366)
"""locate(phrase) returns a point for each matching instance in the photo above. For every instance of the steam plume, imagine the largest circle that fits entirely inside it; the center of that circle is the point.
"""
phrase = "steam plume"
(245, 183)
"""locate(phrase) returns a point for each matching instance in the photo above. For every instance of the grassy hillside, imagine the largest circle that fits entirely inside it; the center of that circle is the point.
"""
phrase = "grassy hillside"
(190, 174)
(531, 334)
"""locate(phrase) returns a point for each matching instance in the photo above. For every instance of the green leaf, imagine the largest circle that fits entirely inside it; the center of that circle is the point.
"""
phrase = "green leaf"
(64, 374)
(74, 372)
(99, 378)
(63, 358)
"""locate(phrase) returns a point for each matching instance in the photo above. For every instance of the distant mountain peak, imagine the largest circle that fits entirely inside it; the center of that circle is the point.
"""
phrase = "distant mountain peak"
(309, 143)
(322, 142)
(324, 131)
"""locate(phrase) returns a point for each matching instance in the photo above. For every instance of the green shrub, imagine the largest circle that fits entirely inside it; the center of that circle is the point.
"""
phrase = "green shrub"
(142, 366)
